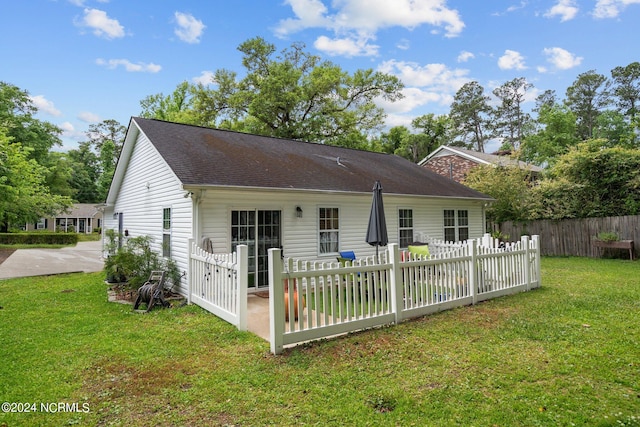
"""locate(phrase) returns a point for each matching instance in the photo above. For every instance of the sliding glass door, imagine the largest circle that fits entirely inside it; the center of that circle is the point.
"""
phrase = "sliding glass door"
(260, 230)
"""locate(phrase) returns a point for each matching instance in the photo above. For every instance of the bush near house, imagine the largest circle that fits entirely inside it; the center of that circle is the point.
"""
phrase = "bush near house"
(133, 261)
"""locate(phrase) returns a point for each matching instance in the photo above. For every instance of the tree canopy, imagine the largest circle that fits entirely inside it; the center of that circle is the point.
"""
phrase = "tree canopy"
(292, 95)
(587, 142)
(19, 125)
(24, 196)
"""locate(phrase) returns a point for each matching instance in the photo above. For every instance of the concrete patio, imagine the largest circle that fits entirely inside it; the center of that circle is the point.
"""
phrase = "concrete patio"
(258, 316)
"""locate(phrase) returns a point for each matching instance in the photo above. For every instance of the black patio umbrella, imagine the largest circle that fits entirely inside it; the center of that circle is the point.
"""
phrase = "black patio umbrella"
(377, 229)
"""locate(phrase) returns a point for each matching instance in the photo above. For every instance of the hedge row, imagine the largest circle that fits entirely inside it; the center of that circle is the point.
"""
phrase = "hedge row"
(38, 238)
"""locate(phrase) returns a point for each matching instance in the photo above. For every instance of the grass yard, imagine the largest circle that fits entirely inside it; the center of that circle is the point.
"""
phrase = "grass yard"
(566, 354)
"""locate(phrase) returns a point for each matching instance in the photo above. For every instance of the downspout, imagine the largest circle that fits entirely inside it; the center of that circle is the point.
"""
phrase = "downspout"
(196, 229)
(484, 216)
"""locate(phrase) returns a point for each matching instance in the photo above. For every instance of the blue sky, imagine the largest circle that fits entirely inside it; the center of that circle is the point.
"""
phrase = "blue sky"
(84, 61)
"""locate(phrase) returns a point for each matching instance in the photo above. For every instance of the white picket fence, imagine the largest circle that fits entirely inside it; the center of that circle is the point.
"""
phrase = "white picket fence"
(331, 299)
(218, 283)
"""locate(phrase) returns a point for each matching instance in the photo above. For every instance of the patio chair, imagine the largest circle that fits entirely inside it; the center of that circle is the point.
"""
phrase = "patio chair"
(152, 291)
(346, 256)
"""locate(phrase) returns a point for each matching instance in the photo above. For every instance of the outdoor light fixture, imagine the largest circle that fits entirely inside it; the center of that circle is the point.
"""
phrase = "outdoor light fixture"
(298, 212)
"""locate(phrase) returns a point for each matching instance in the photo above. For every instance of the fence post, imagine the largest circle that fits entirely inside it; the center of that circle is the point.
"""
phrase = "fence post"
(473, 270)
(487, 240)
(397, 287)
(242, 270)
(276, 301)
(189, 270)
(536, 245)
(527, 262)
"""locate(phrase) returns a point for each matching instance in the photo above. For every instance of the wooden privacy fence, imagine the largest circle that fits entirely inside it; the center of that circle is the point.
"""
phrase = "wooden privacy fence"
(575, 237)
(328, 298)
(218, 283)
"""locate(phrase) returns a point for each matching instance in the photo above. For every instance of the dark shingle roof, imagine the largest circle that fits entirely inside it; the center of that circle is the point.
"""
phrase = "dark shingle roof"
(211, 157)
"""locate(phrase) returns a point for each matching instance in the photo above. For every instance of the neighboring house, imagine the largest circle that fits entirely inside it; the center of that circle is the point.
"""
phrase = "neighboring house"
(81, 218)
(455, 162)
(178, 182)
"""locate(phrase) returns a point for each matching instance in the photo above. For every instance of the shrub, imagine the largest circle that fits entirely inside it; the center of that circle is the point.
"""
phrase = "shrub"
(607, 236)
(134, 260)
(38, 238)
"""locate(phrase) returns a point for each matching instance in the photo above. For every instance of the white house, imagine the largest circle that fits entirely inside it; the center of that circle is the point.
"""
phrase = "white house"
(178, 182)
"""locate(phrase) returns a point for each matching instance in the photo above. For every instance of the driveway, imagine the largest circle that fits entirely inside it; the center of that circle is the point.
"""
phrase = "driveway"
(84, 257)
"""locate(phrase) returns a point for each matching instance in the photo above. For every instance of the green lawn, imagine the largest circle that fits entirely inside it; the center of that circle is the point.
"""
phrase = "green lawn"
(566, 354)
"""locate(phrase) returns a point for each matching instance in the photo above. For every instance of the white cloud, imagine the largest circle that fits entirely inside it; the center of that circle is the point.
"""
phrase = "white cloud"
(428, 84)
(561, 58)
(102, 25)
(45, 106)
(205, 78)
(414, 98)
(88, 117)
(129, 66)
(189, 29)
(67, 128)
(566, 9)
(309, 14)
(611, 8)
(412, 74)
(403, 44)
(348, 47)
(511, 60)
(511, 9)
(355, 21)
(465, 56)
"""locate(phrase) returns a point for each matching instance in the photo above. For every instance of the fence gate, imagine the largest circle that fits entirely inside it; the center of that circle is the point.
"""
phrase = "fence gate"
(218, 283)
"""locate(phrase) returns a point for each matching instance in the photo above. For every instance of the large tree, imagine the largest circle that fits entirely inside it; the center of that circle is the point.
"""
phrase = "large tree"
(85, 174)
(24, 196)
(556, 134)
(626, 88)
(292, 95)
(17, 118)
(175, 107)
(390, 141)
(470, 115)
(95, 160)
(587, 97)
(432, 132)
(510, 122)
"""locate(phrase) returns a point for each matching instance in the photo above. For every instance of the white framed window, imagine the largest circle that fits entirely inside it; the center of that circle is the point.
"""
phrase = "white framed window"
(456, 225)
(329, 230)
(166, 232)
(41, 224)
(405, 227)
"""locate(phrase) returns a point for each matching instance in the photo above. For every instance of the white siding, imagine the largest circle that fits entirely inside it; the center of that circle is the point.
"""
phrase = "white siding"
(148, 187)
(300, 235)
